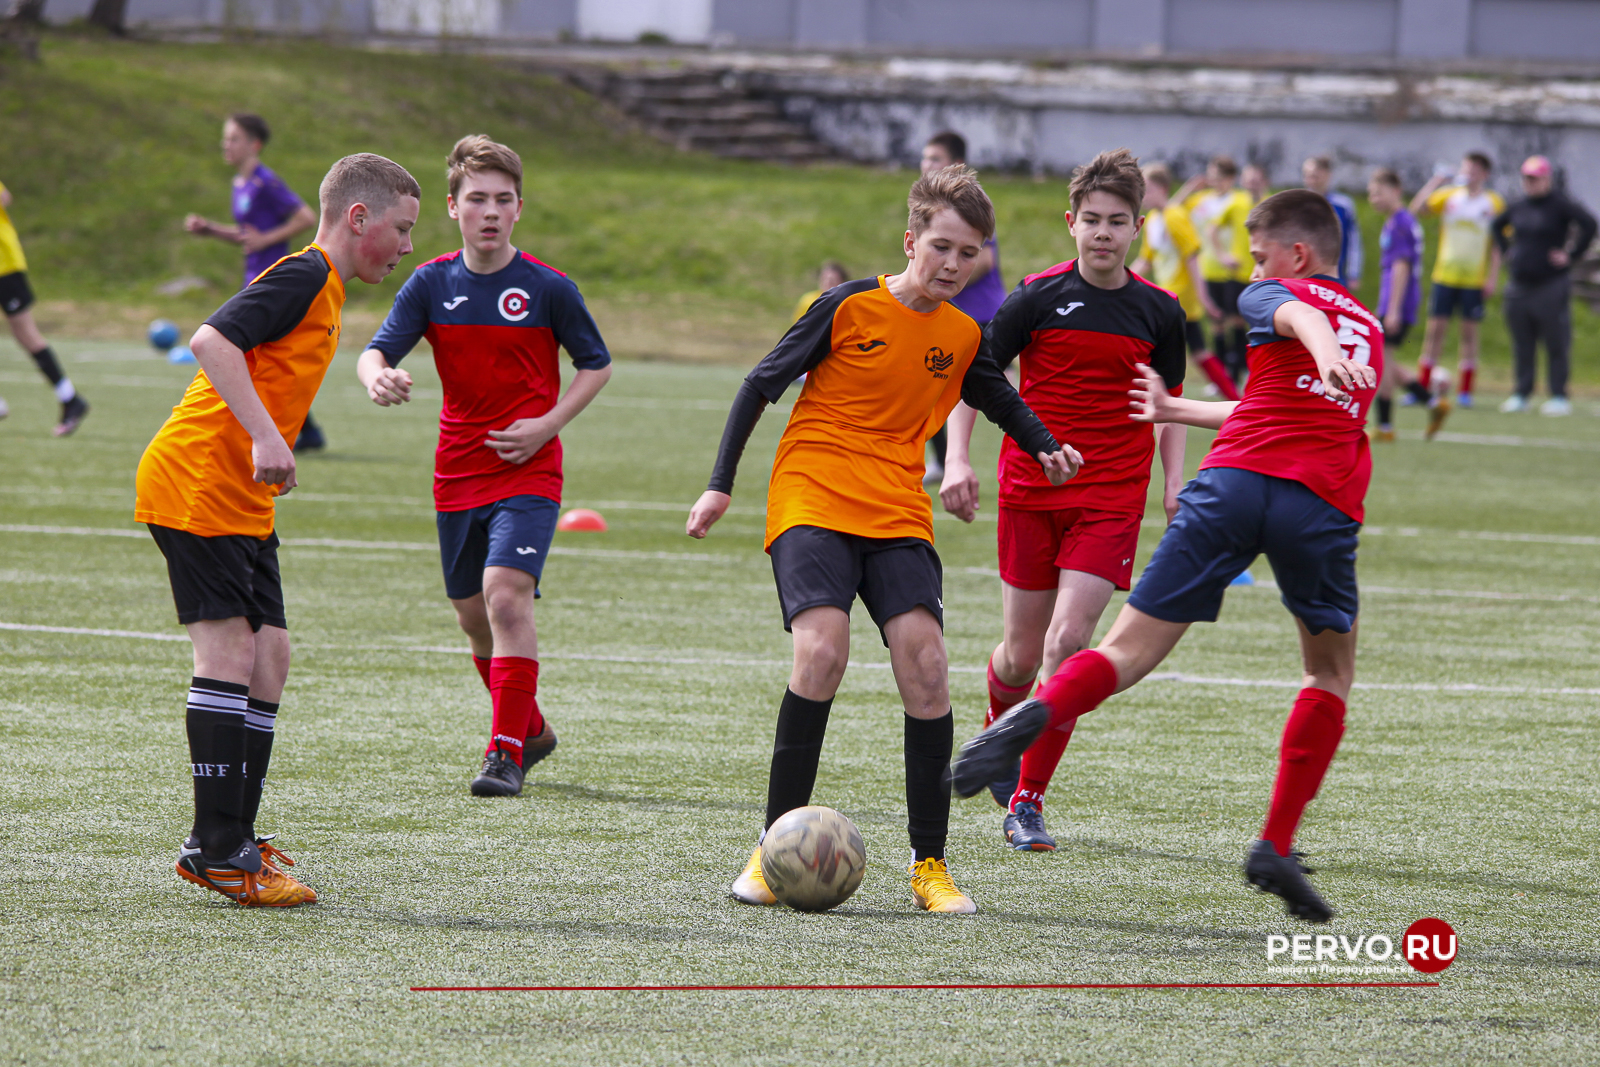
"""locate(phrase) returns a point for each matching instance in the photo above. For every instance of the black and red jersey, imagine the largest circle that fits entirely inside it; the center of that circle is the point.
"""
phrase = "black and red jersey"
(1078, 345)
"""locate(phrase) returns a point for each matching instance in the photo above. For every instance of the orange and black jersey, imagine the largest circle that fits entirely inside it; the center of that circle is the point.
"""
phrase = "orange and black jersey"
(880, 380)
(1078, 346)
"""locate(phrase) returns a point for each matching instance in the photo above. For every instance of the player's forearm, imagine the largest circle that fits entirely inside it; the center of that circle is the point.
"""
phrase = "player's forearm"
(742, 418)
(586, 385)
(958, 445)
(1171, 442)
(225, 367)
(369, 365)
(986, 389)
(1197, 279)
(1204, 414)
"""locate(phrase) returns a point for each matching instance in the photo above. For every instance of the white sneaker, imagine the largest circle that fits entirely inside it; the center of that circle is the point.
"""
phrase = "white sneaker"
(1514, 404)
(4, 408)
(934, 474)
(1556, 405)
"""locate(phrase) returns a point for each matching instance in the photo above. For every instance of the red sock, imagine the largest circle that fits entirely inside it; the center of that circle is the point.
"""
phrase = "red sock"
(483, 669)
(1219, 376)
(1078, 687)
(1309, 739)
(1425, 374)
(1002, 697)
(1467, 374)
(1039, 764)
(514, 683)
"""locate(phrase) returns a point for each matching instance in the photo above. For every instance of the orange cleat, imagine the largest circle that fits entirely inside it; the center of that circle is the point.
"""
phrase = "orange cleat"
(266, 887)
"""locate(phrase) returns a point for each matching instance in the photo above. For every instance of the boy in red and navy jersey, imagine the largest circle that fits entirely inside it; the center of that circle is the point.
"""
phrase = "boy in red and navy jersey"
(495, 318)
(1081, 329)
(1286, 477)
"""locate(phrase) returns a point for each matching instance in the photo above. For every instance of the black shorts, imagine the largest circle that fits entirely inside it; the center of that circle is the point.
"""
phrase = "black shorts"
(1196, 337)
(1226, 296)
(1398, 337)
(15, 295)
(815, 567)
(223, 577)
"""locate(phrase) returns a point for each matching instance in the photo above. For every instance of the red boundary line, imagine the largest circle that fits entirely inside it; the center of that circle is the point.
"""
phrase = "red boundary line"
(986, 985)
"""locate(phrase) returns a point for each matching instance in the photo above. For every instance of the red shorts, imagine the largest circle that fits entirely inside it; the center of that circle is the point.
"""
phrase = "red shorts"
(1035, 546)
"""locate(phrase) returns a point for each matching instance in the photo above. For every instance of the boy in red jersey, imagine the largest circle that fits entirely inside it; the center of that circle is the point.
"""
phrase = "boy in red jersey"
(1080, 330)
(1287, 477)
(495, 317)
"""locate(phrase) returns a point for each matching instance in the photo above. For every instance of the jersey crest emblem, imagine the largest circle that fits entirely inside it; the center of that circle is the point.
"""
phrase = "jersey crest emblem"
(514, 304)
(938, 361)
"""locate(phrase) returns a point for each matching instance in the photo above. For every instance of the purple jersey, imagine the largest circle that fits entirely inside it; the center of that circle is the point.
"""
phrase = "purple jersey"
(262, 201)
(982, 298)
(1400, 242)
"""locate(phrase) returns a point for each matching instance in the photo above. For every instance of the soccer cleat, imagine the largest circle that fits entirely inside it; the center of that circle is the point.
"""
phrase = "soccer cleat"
(1024, 828)
(500, 777)
(751, 885)
(1006, 786)
(1464, 401)
(5, 409)
(990, 755)
(1383, 437)
(1285, 876)
(264, 887)
(1556, 406)
(934, 890)
(538, 746)
(1438, 411)
(1514, 404)
(933, 474)
(271, 856)
(72, 413)
(310, 438)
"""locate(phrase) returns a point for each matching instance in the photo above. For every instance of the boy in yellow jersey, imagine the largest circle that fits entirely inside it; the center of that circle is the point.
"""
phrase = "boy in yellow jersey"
(16, 299)
(832, 273)
(206, 486)
(1465, 269)
(1225, 256)
(1170, 257)
(886, 360)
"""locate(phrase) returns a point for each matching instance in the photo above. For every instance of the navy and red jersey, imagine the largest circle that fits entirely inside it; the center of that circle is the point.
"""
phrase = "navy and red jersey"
(1078, 344)
(494, 339)
(1285, 425)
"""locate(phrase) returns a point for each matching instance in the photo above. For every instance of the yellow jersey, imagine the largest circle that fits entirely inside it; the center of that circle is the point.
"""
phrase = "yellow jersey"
(1464, 238)
(1227, 212)
(1169, 241)
(804, 305)
(11, 258)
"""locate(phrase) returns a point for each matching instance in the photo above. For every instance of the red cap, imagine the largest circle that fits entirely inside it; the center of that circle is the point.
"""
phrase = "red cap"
(1536, 167)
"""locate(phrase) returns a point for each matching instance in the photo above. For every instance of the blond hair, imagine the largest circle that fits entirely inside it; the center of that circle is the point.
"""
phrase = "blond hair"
(955, 187)
(476, 152)
(367, 179)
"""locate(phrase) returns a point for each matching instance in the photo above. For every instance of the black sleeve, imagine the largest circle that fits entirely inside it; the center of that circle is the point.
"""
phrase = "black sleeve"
(1586, 228)
(985, 388)
(272, 305)
(748, 405)
(807, 343)
(1497, 229)
(1011, 329)
(1170, 356)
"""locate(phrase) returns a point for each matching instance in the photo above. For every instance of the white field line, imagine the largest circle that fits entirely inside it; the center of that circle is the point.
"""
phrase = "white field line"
(728, 661)
(1505, 441)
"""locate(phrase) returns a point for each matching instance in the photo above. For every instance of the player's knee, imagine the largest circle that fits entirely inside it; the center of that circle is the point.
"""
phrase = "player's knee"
(1024, 662)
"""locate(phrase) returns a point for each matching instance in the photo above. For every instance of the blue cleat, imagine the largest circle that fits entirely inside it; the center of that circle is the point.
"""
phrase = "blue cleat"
(1024, 828)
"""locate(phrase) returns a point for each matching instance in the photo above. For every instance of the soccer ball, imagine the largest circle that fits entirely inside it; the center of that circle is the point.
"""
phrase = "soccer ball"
(813, 859)
(163, 334)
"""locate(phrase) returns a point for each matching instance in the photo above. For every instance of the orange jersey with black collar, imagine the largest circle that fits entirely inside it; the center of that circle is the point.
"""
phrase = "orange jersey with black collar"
(197, 473)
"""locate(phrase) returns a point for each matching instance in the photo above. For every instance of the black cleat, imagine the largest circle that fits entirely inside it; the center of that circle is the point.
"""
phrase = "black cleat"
(310, 438)
(1006, 788)
(1285, 876)
(1024, 828)
(72, 413)
(989, 756)
(538, 746)
(500, 777)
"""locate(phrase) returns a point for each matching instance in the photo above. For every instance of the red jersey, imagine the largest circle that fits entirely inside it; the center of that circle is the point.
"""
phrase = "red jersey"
(495, 339)
(1286, 426)
(1078, 345)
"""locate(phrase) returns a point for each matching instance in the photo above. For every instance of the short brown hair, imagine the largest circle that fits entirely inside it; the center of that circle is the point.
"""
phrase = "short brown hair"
(252, 124)
(1225, 165)
(1321, 163)
(1159, 174)
(955, 187)
(1115, 172)
(367, 179)
(1481, 160)
(476, 152)
(1299, 216)
(1387, 176)
(954, 145)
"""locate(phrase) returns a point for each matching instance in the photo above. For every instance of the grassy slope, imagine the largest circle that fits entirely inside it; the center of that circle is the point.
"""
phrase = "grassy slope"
(1477, 807)
(681, 255)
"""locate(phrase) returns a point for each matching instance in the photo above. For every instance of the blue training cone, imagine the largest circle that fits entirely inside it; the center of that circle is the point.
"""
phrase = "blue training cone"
(1245, 578)
(181, 354)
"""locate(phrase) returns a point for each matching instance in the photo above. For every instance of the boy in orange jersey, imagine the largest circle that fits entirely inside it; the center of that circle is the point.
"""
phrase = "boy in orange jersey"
(886, 359)
(205, 489)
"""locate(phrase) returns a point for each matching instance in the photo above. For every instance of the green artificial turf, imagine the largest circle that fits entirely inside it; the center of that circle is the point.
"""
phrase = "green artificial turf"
(663, 663)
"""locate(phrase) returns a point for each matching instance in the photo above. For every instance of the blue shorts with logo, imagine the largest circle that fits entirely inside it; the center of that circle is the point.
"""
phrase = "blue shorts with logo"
(1226, 518)
(514, 532)
(1447, 301)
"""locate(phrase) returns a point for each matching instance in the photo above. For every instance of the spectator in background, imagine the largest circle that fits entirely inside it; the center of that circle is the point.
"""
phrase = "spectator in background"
(1548, 232)
(832, 273)
(984, 292)
(1466, 266)
(1255, 181)
(266, 213)
(1317, 173)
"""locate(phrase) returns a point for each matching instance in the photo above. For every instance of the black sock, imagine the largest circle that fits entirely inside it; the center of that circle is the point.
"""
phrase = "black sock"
(259, 720)
(1385, 412)
(215, 721)
(50, 367)
(928, 746)
(1419, 393)
(795, 753)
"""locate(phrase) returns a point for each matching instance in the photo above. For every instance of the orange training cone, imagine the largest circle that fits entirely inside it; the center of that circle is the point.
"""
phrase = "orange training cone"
(582, 519)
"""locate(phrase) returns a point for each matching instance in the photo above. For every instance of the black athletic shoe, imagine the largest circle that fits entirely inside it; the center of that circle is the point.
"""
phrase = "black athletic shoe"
(538, 746)
(1024, 828)
(310, 438)
(1285, 876)
(989, 756)
(500, 777)
(72, 413)
(1006, 788)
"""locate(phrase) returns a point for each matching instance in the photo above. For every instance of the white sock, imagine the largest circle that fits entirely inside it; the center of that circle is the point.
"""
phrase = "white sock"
(64, 390)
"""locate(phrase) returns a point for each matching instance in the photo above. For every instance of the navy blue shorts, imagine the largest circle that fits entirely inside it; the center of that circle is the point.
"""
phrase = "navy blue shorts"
(514, 532)
(1226, 518)
(1447, 301)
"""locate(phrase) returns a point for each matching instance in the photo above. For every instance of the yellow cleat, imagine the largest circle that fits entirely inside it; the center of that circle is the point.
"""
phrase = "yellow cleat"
(272, 856)
(267, 888)
(1437, 412)
(934, 890)
(1383, 437)
(751, 885)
